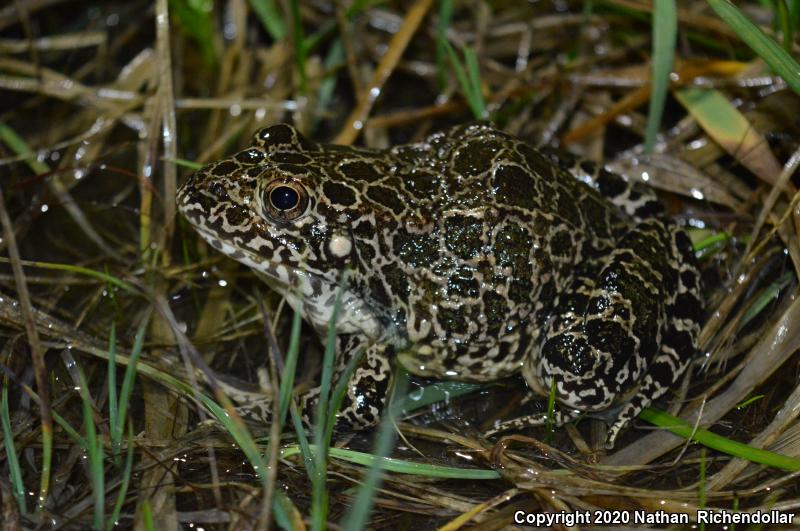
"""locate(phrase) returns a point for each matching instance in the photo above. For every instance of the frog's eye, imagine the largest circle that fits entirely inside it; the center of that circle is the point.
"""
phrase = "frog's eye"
(285, 201)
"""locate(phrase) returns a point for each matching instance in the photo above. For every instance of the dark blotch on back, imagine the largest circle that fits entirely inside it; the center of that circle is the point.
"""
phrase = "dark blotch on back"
(537, 162)
(514, 186)
(291, 157)
(386, 197)
(250, 156)
(475, 157)
(512, 245)
(219, 191)
(416, 250)
(397, 280)
(463, 283)
(452, 319)
(292, 168)
(569, 353)
(276, 135)
(561, 244)
(361, 171)
(463, 235)
(339, 194)
(496, 310)
(224, 168)
(421, 183)
(610, 184)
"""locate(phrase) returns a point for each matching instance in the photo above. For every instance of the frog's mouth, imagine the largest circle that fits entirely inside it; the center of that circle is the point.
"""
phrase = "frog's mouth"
(281, 277)
(314, 296)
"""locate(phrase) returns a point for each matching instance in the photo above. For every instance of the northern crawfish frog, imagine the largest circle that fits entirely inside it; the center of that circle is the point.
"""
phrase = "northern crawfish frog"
(471, 256)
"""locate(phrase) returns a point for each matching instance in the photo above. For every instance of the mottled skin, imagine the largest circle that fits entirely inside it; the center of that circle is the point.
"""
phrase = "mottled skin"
(469, 256)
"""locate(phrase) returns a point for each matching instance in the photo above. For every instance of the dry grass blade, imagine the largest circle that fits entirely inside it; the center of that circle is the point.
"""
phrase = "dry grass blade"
(37, 355)
(358, 117)
(781, 341)
(731, 130)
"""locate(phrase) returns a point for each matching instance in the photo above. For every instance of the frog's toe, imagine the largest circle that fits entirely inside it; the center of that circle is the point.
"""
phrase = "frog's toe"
(658, 380)
(559, 418)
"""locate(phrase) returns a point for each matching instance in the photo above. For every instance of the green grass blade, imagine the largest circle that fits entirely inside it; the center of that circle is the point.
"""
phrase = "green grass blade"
(81, 271)
(17, 485)
(401, 466)
(128, 381)
(776, 57)
(319, 495)
(287, 378)
(701, 485)
(437, 392)
(339, 392)
(238, 431)
(358, 515)
(471, 94)
(478, 104)
(300, 46)
(196, 20)
(785, 24)
(69, 430)
(322, 414)
(665, 32)
(282, 506)
(126, 480)
(267, 13)
(18, 145)
(769, 295)
(190, 164)
(94, 452)
(746, 402)
(551, 407)
(708, 239)
(443, 23)
(325, 93)
(147, 516)
(304, 447)
(683, 429)
(112, 390)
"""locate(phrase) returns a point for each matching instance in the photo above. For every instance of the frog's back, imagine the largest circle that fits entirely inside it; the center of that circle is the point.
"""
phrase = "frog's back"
(488, 233)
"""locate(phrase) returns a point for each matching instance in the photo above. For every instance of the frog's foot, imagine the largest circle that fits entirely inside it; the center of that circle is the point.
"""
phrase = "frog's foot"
(367, 387)
(253, 405)
(363, 400)
(559, 418)
(660, 376)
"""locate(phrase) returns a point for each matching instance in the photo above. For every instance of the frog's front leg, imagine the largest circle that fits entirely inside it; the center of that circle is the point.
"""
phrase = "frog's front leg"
(367, 387)
(363, 399)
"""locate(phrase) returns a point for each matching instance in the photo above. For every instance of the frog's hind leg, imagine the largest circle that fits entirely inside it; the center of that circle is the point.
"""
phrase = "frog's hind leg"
(679, 341)
(614, 332)
(559, 418)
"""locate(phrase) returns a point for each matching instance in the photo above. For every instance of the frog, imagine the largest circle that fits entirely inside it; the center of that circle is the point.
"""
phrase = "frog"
(470, 255)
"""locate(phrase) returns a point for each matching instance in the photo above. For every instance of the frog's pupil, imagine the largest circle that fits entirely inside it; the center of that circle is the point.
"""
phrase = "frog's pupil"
(284, 198)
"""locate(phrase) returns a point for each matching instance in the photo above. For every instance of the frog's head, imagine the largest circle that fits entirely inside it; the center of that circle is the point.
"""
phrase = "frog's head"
(273, 208)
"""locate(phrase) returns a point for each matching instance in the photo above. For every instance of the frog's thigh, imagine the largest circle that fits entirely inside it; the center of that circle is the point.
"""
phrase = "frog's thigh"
(366, 389)
(606, 330)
